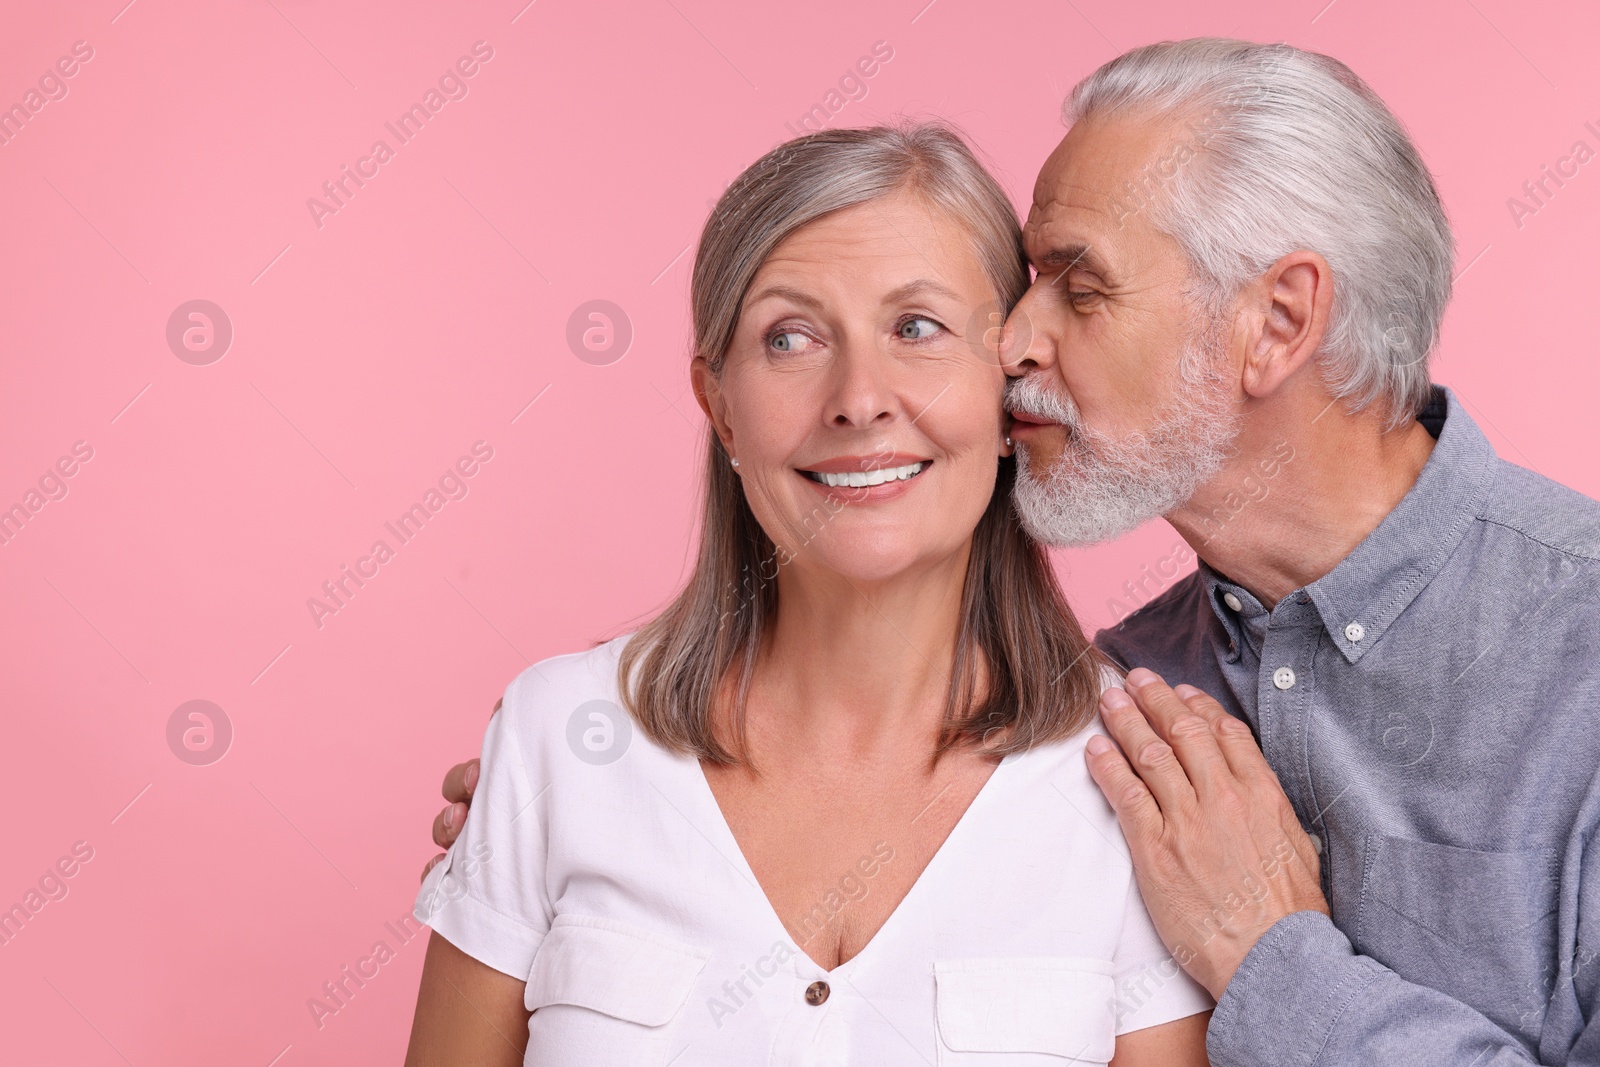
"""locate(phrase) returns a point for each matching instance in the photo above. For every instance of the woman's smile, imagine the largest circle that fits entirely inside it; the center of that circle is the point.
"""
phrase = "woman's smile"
(872, 479)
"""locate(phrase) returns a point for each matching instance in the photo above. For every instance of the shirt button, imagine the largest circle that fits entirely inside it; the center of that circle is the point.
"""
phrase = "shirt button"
(1355, 632)
(1283, 678)
(1233, 602)
(1316, 843)
(816, 993)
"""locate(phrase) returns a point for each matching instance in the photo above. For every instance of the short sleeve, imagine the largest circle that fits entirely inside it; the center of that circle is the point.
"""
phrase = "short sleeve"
(1151, 988)
(488, 897)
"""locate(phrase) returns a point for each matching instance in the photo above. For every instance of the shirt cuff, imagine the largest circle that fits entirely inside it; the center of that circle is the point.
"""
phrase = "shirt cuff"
(1287, 995)
(446, 904)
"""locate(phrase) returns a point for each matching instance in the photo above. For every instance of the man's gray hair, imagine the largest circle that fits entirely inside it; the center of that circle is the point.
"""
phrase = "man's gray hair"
(1290, 150)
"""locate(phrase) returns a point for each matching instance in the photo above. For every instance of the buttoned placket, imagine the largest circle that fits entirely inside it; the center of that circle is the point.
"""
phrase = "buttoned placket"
(1286, 704)
(811, 1029)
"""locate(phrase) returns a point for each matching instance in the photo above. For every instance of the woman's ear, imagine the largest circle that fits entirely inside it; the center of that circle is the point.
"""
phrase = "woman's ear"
(708, 394)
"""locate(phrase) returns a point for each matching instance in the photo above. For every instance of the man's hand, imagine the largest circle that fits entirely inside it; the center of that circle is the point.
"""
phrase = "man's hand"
(459, 784)
(1217, 848)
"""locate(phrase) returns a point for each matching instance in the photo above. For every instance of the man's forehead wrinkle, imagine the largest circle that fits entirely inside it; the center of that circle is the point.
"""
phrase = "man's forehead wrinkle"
(1075, 194)
(1068, 199)
(1085, 212)
(1050, 235)
(1047, 175)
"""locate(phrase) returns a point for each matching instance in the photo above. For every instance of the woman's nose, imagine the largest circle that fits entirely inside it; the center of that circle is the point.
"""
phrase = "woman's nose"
(862, 394)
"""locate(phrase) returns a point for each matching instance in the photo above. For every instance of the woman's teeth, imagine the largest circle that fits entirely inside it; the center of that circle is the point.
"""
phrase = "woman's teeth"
(857, 479)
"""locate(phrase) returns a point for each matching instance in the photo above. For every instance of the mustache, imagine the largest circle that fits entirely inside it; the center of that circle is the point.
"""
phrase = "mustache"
(1032, 395)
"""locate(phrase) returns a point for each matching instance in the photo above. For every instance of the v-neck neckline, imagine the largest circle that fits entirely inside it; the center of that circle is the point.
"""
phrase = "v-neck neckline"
(741, 862)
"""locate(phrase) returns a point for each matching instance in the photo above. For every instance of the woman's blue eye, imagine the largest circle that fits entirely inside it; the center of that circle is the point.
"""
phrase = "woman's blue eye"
(789, 341)
(918, 328)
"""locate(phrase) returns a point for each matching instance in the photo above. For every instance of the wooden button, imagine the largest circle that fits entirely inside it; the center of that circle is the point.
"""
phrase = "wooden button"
(816, 993)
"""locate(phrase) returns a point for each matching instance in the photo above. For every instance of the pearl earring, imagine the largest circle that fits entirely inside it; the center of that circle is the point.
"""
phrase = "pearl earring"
(734, 460)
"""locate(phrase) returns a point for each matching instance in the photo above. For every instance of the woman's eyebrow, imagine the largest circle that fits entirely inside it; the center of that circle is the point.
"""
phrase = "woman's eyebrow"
(784, 292)
(920, 287)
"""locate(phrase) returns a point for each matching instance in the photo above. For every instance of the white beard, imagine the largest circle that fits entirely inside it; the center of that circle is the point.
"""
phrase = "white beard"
(1102, 487)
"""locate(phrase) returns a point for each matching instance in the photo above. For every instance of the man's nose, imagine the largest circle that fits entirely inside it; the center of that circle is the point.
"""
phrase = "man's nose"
(1026, 344)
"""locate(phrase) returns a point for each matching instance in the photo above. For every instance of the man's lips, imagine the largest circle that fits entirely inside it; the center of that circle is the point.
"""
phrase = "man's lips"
(1024, 423)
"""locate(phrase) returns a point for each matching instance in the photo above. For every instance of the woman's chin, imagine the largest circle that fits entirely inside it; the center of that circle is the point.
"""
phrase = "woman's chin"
(863, 566)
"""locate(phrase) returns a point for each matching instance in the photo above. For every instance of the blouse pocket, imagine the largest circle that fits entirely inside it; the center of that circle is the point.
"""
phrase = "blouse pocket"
(603, 992)
(1477, 926)
(1024, 1012)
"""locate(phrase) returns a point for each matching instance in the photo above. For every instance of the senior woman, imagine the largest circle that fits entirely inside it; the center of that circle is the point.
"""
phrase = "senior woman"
(853, 824)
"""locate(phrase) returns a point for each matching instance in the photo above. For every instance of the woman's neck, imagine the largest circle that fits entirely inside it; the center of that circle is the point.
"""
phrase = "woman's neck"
(859, 668)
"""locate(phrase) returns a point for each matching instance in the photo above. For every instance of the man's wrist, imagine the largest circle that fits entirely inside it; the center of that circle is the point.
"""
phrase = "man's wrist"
(1224, 952)
(1287, 993)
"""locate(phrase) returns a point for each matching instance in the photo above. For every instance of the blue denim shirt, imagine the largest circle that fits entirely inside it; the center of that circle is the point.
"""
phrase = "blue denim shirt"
(1432, 709)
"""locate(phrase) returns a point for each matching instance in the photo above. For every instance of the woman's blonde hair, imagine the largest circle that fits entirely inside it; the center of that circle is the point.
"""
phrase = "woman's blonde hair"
(1024, 672)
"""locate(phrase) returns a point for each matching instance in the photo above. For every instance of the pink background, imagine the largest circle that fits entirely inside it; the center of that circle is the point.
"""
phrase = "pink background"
(372, 351)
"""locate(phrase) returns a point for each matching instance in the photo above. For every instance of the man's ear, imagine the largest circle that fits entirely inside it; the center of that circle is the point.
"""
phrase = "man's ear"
(708, 393)
(1287, 313)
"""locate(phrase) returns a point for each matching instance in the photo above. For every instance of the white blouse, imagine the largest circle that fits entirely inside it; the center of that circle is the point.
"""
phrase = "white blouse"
(598, 867)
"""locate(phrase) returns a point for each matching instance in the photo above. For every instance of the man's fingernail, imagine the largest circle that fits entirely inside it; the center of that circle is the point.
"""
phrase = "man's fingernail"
(1186, 691)
(1115, 698)
(450, 817)
(1141, 676)
(472, 777)
(1097, 745)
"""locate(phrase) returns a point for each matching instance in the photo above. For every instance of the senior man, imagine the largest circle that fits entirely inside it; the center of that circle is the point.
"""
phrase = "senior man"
(1376, 848)
(1242, 267)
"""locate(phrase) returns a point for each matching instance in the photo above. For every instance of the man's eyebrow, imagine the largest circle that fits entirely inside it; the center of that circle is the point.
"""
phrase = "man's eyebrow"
(1063, 257)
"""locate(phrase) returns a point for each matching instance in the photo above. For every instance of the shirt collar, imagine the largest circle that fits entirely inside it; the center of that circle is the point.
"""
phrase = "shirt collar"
(1361, 597)
(1241, 614)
